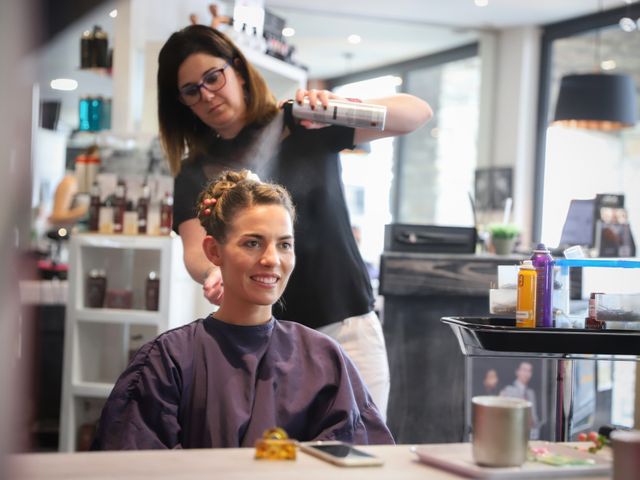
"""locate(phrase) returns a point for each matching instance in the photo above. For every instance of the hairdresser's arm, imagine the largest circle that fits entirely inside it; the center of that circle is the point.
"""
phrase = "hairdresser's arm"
(198, 266)
(405, 113)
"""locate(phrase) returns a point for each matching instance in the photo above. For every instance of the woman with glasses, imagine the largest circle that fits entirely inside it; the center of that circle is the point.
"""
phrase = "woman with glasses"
(217, 113)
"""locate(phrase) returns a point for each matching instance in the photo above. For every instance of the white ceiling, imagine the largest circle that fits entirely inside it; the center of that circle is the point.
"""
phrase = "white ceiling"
(403, 29)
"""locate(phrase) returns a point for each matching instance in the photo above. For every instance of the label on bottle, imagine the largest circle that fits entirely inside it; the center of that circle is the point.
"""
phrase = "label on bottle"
(349, 114)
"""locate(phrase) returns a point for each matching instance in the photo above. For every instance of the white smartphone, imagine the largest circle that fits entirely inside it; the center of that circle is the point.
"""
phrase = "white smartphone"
(340, 453)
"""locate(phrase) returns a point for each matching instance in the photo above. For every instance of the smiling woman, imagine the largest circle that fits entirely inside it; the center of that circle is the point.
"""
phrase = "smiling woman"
(224, 380)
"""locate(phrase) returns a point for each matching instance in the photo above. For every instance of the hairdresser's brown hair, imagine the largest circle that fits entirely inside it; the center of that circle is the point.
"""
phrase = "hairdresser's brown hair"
(181, 130)
(235, 191)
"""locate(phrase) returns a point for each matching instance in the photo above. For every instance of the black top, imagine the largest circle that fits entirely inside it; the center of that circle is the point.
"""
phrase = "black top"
(330, 281)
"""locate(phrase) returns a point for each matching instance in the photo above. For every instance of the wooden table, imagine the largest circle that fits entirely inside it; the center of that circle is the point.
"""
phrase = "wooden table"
(236, 463)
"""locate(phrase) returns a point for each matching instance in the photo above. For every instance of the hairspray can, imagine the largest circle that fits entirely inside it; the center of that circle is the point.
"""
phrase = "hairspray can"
(543, 263)
(526, 299)
(341, 112)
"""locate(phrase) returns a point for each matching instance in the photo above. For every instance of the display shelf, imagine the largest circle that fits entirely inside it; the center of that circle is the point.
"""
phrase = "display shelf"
(118, 315)
(92, 389)
(99, 342)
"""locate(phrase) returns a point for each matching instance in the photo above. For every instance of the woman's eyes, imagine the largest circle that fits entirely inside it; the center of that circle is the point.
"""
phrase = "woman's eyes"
(286, 245)
(212, 78)
(251, 243)
(256, 244)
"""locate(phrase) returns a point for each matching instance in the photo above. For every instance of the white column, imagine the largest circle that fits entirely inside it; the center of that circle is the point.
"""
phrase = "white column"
(516, 91)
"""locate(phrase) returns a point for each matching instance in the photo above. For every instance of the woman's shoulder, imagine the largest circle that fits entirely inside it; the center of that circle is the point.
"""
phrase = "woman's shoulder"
(175, 342)
(302, 333)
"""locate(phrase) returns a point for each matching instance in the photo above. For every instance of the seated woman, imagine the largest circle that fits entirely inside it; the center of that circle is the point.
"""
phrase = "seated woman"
(224, 380)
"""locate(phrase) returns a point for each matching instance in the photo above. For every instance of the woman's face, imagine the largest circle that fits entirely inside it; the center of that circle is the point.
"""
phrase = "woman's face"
(224, 110)
(257, 257)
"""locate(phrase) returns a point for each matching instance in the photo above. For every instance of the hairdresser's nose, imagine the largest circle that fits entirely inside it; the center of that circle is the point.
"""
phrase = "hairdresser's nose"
(205, 94)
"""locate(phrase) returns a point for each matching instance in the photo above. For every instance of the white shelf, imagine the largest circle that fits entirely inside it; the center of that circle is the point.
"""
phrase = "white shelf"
(99, 342)
(92, 389)
(118, 315)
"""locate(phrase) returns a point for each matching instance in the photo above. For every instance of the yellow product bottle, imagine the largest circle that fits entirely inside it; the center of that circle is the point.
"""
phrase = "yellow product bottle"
(526, 300)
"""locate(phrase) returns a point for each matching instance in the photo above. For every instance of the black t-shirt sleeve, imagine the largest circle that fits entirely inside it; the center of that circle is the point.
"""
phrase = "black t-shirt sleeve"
(186, 188)
(329, 139)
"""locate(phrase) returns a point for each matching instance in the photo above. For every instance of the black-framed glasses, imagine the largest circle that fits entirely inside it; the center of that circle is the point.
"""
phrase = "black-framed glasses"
(213, 80)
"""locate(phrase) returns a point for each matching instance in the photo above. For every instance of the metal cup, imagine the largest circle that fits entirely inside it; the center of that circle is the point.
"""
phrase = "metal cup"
(626, 454)
(501, 428)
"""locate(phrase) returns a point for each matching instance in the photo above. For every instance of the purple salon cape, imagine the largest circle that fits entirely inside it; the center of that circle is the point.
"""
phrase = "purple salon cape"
(213, 384)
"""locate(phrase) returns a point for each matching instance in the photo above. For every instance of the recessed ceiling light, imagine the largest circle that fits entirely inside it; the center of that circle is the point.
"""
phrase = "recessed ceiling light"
(113, 13)
(288, 32)
(64, 84)
(354, 39)
(608, 64)
(627, 24)
(481, 3)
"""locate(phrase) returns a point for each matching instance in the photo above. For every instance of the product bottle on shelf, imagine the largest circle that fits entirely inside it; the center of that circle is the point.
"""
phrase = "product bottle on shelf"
(84, 124)
(166, 214)
(96, 288)
(130, 221)
(86, 47)
(592, 322)
(100, 47)
(143, 209)
(543, 263)
(526, 296)
(94, 207)
(119, 207)
(152, 291)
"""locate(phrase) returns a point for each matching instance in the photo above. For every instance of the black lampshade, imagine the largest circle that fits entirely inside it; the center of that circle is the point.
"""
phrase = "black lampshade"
(597, 101)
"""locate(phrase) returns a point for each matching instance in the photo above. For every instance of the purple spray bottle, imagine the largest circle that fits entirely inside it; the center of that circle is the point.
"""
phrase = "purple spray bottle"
(543, 263)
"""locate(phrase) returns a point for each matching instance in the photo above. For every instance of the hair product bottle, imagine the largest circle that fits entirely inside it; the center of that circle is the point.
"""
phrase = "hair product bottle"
(341, 112)
(543, 263)
(526, 299)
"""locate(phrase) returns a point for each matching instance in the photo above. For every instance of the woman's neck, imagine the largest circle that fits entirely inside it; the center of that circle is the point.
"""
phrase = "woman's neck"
(247, 315)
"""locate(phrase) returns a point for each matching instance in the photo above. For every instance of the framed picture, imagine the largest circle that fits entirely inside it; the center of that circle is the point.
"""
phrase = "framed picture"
(525, 378)
(492, 187)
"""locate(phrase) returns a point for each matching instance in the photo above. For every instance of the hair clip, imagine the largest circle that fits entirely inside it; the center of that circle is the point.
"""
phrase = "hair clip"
(209, 201)
(206, 211)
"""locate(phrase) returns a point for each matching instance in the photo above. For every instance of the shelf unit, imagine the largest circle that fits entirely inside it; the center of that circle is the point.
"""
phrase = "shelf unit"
(100, 341)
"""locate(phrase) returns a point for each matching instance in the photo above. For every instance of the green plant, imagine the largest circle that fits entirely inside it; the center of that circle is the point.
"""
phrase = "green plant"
(504, 230)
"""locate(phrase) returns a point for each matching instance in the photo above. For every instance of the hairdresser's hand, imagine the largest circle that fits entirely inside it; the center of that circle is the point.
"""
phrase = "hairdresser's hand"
(212, 286)
(315, 96)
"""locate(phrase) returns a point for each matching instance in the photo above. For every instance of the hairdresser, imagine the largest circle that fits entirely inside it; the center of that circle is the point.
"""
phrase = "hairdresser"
(216, 113)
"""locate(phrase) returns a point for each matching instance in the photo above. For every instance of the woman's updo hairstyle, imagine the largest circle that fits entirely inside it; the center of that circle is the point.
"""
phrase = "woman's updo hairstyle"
(232, 192)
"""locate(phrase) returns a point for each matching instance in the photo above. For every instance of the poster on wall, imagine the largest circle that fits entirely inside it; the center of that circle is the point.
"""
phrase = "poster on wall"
(513, 377)
(492, 187)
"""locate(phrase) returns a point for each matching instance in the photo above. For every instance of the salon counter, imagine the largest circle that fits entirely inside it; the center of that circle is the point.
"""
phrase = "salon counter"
(234, 463)
(426, 403)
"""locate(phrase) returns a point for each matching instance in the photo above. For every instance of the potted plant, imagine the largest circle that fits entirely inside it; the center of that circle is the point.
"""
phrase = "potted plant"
(503, 237)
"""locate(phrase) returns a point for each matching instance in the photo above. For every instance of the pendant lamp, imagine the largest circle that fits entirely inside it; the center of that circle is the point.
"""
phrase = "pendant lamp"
(597, 101)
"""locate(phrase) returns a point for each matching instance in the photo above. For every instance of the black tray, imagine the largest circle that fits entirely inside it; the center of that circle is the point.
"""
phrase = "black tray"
(487, 335)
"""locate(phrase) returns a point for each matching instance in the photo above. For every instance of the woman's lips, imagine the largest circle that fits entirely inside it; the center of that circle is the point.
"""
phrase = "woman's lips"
(266, 280)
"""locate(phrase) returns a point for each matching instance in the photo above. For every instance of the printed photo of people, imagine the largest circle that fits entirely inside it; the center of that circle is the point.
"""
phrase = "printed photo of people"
(519, 378)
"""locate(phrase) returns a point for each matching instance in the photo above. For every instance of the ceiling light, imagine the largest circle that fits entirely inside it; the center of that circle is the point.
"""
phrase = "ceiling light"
(288, 32)
(64, 84)
(596, 101)
(608, 64)
(627, 25)
(354, 39)
(481, 3)
(113, 13)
